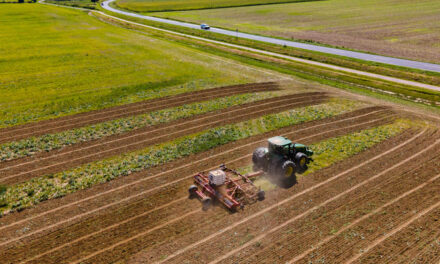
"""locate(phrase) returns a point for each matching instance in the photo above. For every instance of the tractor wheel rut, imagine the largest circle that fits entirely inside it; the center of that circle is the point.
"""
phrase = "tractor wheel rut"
(87, 232)
(215, 163)
(92, 117)
(289, 209)
(82, 155)
(322, 226)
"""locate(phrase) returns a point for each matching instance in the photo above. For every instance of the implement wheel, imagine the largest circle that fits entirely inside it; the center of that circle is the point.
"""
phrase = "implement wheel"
(192, 191)
(206, 203)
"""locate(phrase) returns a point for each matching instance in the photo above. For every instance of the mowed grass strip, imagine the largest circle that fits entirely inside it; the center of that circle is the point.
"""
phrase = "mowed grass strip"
(174, 5)
(56, 61)
(23, 195)
(403, 28)
(34, 145)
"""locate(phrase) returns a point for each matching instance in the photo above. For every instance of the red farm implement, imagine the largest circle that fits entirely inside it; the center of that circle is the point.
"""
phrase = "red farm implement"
(226, 186)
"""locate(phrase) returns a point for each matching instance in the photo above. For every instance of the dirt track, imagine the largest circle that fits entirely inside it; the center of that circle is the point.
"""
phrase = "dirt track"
(140, 205)
(51, 162)
(92, 117)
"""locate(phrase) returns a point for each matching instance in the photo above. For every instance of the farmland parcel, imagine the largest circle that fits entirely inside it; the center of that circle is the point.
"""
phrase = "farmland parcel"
(406, 28)
(111, 185)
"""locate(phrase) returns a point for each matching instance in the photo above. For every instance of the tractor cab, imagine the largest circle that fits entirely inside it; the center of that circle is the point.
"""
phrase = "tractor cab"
(281, 146)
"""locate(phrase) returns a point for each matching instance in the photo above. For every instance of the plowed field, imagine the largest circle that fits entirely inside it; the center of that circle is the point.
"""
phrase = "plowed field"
(380, 204)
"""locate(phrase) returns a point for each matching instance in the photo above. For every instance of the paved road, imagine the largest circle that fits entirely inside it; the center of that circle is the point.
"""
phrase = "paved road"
(352, 54)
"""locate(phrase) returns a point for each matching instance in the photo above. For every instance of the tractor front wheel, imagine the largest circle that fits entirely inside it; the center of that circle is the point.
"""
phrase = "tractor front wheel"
(301, 162)
(287, 173)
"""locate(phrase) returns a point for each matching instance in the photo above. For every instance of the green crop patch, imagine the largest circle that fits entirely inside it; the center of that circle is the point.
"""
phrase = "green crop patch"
(34, 145)
(56, 185)
(56, 61)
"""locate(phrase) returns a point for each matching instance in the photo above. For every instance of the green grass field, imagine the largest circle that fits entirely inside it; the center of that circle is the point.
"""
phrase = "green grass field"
(76, 3)
(59, 61)
(402, 28)
(174, 5)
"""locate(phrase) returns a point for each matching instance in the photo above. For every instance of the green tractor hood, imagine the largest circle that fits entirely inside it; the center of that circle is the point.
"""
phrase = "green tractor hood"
(303, 148)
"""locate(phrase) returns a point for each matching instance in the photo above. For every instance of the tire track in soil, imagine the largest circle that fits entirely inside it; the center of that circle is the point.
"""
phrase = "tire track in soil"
(362, 218)
(114, 147)
(275, 242)
(178, 165)
(97, 116)
(301, 213)
(418, 243)
(119, 235)
(396, 230)
(303, 240)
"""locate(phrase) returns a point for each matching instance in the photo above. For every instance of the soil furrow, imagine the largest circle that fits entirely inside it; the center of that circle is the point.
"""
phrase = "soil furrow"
(414, 205)
(153, 130)
(418, 243)
(358, 220)
(325, 224)
(74, 121)
(60, 162)
(323, 193)
(135, 181)
(84, 247)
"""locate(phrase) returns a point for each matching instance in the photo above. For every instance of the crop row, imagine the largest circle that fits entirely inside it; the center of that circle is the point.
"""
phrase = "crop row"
(56, 185)
(48, 142)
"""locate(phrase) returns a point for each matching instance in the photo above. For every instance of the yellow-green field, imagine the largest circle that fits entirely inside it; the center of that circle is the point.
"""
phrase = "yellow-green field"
(172, 5)
(403, 28)
(58, 61)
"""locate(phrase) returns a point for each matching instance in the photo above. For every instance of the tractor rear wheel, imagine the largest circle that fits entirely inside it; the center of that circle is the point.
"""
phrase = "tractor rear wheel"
(286, 173)
(301, 162)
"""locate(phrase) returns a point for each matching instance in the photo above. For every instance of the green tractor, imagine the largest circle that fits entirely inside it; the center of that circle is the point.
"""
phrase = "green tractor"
(282, 159)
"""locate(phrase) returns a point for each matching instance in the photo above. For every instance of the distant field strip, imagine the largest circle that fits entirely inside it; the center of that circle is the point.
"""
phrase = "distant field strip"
(411, 31)
(73, 63)
(173, 5)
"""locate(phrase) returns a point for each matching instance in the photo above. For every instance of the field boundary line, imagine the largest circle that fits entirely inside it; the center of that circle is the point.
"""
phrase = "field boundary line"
(213, 95)
(393, 231)
(290, 198)
(152, 189)
(2, 179)
(375, 211)
(166, 126)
